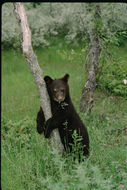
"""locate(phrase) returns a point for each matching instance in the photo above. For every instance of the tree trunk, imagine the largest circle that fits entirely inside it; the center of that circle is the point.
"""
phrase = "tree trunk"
(35, 69)
(87, 98)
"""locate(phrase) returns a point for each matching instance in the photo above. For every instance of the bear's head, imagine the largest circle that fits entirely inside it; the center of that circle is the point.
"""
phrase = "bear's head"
(58, 89)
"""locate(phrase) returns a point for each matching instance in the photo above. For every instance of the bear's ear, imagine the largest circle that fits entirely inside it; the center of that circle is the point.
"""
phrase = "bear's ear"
(65, 77)
(48, 79)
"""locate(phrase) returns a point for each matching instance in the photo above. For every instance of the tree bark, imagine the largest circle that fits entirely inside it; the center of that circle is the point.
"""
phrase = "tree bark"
(87, 99)
(35, 69)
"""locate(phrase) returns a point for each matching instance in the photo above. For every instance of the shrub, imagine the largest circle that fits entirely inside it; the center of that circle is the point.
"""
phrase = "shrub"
(113, 77)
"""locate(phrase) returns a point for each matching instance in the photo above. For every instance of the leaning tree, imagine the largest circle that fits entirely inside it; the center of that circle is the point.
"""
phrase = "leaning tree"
(35, 69)
(94, 52)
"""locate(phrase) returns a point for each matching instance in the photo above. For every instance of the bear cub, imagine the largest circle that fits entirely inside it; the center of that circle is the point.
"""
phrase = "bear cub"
(64, 115)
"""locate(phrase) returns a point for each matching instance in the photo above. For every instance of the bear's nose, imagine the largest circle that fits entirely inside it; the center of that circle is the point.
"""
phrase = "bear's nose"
(60, 98)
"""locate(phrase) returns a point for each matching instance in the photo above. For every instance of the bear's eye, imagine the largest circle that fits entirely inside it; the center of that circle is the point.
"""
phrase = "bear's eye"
(62, 90)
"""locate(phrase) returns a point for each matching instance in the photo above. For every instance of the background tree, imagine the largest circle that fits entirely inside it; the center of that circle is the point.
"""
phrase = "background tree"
(87, 99)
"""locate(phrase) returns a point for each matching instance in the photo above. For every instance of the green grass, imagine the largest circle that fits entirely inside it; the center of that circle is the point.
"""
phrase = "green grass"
(28, 161)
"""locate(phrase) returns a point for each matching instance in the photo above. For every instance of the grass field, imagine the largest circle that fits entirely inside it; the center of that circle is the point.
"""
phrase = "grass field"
(28, 162)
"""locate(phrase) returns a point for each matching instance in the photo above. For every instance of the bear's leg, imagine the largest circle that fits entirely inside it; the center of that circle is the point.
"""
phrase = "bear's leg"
(40, 121)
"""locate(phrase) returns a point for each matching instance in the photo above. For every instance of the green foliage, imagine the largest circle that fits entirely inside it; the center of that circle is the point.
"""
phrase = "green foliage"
(76, 154)
(72, 20)
(122, 36)
(28, 162)
(113, 73)
(10, 29)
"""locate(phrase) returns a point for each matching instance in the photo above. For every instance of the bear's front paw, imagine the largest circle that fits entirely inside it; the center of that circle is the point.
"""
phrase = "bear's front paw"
(48, 122)
(40, 128)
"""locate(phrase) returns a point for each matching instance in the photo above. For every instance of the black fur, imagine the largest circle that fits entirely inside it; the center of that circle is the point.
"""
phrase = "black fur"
(64, 117)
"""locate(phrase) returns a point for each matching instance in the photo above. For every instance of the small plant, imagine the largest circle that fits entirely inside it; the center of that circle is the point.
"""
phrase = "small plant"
(63, 105)
(77, 147)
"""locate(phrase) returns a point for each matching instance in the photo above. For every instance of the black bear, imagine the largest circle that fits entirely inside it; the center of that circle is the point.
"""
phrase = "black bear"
(64, 115)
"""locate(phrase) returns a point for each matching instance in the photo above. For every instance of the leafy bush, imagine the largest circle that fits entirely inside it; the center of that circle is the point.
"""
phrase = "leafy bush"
(113, 76)
(10, 28)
